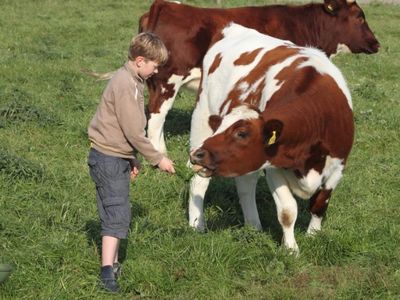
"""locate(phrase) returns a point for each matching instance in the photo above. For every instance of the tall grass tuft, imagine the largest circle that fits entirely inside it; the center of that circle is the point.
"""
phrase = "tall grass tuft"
(15, 167)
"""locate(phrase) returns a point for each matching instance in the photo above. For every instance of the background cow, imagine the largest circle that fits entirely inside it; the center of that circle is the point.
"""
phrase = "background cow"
(189, 31)
(265, 103)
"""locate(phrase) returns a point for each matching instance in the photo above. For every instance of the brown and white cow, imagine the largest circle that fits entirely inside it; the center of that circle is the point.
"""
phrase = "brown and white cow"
(189, 31)
(267, 104)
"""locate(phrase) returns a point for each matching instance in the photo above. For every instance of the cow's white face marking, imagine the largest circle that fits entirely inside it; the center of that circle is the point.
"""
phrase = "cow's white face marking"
(242, 112)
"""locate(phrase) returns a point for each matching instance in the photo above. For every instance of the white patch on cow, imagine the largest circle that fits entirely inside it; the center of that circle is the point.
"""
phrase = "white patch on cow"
(306, 186)
(240, 40)
(315, 224)
(176, 80)
(192, 81)
(321, 63)
(200, 128)
(341, 48)
(226, 107)
(155, 125)
(333, 172)
(242, 112)
(271, 83)
(246, 189)
(248, 89)
(311, 182)
(244, 87)
(193, 85)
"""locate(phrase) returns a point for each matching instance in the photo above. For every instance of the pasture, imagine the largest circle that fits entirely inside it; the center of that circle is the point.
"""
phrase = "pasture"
(49, 229)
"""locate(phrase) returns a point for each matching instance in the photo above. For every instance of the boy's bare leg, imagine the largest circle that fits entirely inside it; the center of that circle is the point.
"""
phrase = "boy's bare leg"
(116, 252)
(109, 250)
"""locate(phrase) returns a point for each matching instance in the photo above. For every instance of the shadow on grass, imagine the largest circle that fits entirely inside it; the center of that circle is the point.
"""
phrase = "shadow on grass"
(178, 122)
(223, 210)
(93, 229)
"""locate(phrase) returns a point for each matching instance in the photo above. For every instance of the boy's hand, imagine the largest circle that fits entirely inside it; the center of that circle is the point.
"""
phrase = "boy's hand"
(166, 165)
(134, 173)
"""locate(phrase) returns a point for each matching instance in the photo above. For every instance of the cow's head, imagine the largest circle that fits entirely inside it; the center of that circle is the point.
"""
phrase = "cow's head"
(239, 146)
(352, 28)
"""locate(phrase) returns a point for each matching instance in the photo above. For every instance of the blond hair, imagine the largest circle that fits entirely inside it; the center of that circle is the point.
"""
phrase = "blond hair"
(150, 46)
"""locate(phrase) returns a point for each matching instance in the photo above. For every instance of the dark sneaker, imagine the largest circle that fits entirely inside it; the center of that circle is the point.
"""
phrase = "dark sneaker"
(117, 270)
(108, 280)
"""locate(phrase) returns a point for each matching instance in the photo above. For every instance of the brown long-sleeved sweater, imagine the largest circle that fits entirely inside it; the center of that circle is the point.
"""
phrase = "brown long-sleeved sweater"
(118, 127)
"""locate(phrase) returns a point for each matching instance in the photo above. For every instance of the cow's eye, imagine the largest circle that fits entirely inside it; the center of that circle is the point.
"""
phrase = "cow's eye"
(240, 134)
(360, 18)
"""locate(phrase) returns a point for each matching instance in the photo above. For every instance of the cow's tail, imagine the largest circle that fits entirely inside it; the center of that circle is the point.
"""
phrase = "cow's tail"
(99, 76)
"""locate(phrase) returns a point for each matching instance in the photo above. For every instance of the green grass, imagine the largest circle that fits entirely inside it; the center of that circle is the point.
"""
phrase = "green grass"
(49, 229)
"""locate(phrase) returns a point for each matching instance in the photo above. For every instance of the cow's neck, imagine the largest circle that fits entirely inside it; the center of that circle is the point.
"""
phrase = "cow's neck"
(315, 31)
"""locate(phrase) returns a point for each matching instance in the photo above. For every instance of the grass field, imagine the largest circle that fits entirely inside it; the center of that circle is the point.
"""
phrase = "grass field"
(49, 230)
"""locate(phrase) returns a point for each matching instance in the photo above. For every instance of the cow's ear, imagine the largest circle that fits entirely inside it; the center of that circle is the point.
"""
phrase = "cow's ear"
(331, 6)
(214, 121)
(272, 131)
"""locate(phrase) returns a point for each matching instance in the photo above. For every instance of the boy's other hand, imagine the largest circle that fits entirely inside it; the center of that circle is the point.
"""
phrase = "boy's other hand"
(166, 165)
(134, 173)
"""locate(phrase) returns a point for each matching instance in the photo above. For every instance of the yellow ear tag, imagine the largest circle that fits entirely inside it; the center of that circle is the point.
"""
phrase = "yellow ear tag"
(330, 7)
(272, 139)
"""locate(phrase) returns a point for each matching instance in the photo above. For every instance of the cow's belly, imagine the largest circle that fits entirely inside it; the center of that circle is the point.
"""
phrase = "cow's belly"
(306, 186)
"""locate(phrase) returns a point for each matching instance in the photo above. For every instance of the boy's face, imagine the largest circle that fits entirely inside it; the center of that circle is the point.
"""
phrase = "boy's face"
(146, 68)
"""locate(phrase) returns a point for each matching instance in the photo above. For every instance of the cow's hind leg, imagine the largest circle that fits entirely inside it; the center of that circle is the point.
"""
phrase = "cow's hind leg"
(320, 200)
(246, 188)
(318, 205)
(286, 206)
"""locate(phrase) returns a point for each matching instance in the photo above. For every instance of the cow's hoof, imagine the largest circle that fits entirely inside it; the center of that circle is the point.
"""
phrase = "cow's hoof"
(311, 232)
(198, 225)
(292, 247)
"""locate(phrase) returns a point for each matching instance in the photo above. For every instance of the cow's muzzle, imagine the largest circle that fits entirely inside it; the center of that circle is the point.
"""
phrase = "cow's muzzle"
(373, 47)
(202, 162)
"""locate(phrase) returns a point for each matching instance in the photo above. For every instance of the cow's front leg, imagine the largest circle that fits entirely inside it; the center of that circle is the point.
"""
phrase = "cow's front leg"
(286, 207)
(198, 188)
(246, 188)
(318, 205)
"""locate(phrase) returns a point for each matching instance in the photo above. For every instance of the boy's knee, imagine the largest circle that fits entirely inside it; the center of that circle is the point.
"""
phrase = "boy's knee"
(116, 217)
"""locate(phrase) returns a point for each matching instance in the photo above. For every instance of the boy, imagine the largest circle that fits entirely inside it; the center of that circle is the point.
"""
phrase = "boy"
(116, 132)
